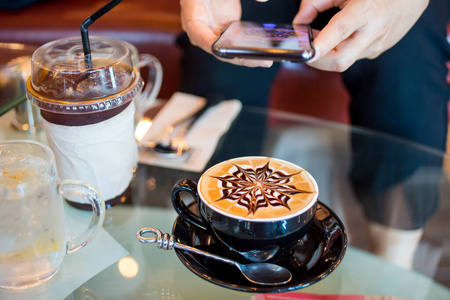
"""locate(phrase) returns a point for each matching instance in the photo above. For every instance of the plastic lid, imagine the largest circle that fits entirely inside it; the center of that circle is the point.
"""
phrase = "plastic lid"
(63, 81)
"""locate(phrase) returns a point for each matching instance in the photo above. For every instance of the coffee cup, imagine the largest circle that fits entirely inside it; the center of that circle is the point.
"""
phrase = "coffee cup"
(33, 234)
(251, 204)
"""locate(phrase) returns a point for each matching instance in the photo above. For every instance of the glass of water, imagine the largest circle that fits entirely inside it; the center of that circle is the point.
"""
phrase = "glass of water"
(33, 234)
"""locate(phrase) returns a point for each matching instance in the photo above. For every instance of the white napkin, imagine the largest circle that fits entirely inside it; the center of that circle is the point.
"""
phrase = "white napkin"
(203, 136)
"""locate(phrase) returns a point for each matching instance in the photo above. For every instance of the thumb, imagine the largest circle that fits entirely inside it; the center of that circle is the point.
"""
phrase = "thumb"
(306, 14)
(309, 9)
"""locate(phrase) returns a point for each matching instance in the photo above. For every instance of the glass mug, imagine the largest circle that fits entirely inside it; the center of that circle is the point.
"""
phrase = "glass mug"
(152, 87)
(33, 234)
(89, 110)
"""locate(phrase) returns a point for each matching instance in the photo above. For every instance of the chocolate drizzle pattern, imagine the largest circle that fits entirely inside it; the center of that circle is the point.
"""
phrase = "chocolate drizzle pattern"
(257, 188)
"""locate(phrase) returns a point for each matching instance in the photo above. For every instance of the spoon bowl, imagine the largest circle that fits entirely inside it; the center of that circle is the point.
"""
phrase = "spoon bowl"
(172, 148)
(265, 273)
(165, 149)
(260, 254)
(258, 273)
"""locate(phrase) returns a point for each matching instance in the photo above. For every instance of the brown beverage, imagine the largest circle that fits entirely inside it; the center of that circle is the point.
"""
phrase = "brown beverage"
(51, 87)
(258, 188)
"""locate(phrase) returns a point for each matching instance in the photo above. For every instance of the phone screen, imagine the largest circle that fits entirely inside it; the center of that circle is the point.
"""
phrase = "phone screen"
(280, 42)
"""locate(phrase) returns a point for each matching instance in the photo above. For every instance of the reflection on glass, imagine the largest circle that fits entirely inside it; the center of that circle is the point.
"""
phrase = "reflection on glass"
(142, 127)
(398, 186)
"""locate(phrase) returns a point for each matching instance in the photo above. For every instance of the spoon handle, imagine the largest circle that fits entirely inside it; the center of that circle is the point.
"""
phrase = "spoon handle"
(165, 241)
(211, 102)
(204, 253)
(194, 117)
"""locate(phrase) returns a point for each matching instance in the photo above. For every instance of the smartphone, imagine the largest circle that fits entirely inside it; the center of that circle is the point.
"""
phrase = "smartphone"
(269, 41)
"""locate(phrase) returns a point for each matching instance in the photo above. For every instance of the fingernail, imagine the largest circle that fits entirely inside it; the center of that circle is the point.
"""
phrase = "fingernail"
(266, 63)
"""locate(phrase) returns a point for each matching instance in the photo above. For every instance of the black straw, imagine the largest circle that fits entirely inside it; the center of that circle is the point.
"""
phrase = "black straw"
(86, 23)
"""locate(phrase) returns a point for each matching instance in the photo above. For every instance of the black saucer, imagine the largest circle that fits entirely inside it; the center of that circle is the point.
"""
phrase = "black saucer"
(316, 255)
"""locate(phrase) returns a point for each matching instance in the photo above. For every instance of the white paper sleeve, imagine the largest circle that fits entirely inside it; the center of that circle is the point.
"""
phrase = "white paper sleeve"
(103, 155)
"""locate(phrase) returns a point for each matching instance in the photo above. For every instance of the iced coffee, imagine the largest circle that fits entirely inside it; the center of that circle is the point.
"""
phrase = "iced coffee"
(88, 111)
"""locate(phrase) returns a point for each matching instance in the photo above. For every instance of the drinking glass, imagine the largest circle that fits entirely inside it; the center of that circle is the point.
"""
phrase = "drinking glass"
(89, 109)
(33, 234)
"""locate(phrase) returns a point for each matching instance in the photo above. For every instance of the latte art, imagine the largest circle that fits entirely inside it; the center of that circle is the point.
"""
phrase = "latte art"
(258, 187)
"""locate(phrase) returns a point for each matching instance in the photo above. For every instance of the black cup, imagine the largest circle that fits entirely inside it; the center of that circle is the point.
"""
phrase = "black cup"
(236, 235)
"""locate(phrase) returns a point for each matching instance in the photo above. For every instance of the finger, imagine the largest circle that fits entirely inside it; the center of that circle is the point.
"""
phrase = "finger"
(201, 35)
(315, 33)
(195, 22)
(246, 62)
(345, 54)
(309, 9)
(251, 63)
(340, 27)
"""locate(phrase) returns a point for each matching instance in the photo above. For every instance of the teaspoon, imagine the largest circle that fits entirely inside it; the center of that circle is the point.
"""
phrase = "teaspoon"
(257, 273)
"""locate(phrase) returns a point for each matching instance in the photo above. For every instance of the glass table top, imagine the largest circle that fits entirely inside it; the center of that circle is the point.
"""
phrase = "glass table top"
(391, 195)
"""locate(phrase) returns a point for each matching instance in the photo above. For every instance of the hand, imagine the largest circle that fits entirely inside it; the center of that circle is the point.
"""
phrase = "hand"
(362, 29)
(204, 20)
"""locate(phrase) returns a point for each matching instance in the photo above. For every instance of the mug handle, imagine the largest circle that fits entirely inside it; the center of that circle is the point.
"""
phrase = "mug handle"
(78, 188)
(189, 186)
(153, 84)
